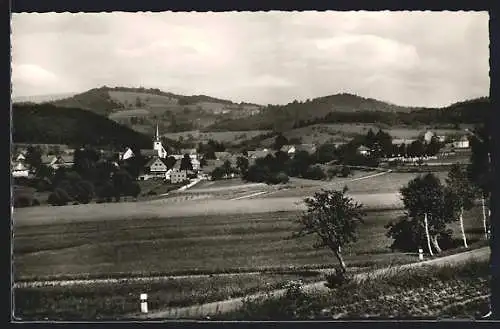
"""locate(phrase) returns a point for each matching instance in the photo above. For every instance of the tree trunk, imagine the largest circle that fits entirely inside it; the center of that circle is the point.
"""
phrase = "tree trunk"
(338, 254)
(436, 244)
(427, 235)
(484, 219)
(462, 227)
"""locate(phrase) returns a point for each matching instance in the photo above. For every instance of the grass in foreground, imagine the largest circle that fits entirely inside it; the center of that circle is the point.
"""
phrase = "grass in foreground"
(108, 301)
(427, 292)
(203, 244)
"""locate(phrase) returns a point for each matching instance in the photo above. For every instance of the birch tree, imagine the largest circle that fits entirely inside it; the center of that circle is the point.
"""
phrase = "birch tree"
(461, 194)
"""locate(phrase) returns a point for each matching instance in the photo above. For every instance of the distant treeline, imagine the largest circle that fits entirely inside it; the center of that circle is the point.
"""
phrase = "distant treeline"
(282, 118)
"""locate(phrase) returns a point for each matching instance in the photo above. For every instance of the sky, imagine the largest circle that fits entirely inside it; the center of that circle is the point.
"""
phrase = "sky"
(405, 58)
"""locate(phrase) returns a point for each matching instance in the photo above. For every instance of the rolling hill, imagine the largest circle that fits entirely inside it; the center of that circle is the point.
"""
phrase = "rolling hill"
(141, 108)
(48, 124)
(347, 108)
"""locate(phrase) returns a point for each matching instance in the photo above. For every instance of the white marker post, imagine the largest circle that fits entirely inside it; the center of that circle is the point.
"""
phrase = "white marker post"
(420, 254)
(144, 303)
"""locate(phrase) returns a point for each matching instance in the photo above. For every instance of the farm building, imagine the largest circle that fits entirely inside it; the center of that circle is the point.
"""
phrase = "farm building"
(290, 149)
(462, 143)
(19, 169)
(57, 161)
(258, 153)
(127, 154)
(428, 136)
(176, 176)
(363, 150)
(222, 155)
(189, 151)
(398, 141)
(156, 166)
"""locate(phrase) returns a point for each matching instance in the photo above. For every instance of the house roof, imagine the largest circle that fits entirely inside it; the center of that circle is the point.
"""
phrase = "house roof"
(286, 148)
(363, 148)
(258, 153)
(305, 147)
(153, 160)
(397, 141)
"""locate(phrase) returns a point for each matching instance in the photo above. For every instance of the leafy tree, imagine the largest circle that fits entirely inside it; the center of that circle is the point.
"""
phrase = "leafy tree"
(186, 163)
(121, 180)
(106, 191)
(134, 189)
(416, 149)
(203, 162)
(333, 218)
(217, 173)
(34, 156)
(461, 193)
(44, 171)
(242, 164)
(279, 142)
(402, 150)
(84, 191)
(299, 164)
(59, 197)
(326, 153)
(384, 142)
(345, 171)
(423, 195)
(170, 162)
(433, 147)
(315, 172)
(227, 167)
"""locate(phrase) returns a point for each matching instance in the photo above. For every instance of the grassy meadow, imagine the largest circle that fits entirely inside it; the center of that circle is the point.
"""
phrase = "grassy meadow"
(184, 245)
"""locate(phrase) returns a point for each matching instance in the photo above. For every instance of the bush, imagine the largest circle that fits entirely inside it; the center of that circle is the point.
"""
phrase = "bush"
(337, 278)
(35, 202)
(282, 178)
(315, 172)
(134, 190)
(345, 171)
(22, 201)
(59, 197)
(84, 191)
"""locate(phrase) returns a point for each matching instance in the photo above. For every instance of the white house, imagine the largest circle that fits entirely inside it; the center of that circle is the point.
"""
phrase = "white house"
(156, 166)
(177, 176)
(428, 136)
(127, 154)
(363, 150)
(462, 143)
(20, 170)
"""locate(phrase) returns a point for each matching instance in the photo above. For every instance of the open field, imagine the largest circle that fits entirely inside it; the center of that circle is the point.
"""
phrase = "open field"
(108, 301)
(223, 136)
(209, 243)
(323, 133)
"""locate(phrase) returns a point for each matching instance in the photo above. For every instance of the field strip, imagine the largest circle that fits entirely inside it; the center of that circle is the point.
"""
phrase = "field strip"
(249, 196)
(204, 310)
(156, 278)
(465, 302)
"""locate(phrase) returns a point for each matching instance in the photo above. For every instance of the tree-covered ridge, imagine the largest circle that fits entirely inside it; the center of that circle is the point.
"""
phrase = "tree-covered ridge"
(49, 124)
(350, 108)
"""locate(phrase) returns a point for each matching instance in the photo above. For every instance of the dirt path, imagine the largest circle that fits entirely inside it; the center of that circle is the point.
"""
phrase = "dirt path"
(204, 310)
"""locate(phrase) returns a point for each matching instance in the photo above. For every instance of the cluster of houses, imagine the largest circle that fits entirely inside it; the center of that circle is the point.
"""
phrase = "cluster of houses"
(157, 167)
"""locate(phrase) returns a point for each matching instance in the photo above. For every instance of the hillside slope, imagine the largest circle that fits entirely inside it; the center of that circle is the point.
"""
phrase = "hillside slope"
(141, 108)
(46, 123)
(355, 109)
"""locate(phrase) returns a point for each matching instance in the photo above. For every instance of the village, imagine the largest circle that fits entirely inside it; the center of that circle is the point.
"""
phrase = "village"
(189, 166)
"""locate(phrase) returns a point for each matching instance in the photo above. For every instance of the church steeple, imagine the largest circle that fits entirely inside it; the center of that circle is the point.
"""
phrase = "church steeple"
(157, 145)
(157, 136)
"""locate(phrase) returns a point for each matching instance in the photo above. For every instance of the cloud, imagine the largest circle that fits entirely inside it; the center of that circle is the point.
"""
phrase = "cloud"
(409, 58)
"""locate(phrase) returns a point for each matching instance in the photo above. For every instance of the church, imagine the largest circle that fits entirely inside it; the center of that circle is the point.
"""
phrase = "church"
(158, 149)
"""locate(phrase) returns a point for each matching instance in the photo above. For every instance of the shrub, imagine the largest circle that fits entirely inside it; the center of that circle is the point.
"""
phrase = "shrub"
(345, 171)
(35, 202)
(337, 278)
(84, 191)
(21, 201)
(59, 197)
(315, 172)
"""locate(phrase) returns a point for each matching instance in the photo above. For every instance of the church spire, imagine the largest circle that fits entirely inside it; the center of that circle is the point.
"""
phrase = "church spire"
(157, 133)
